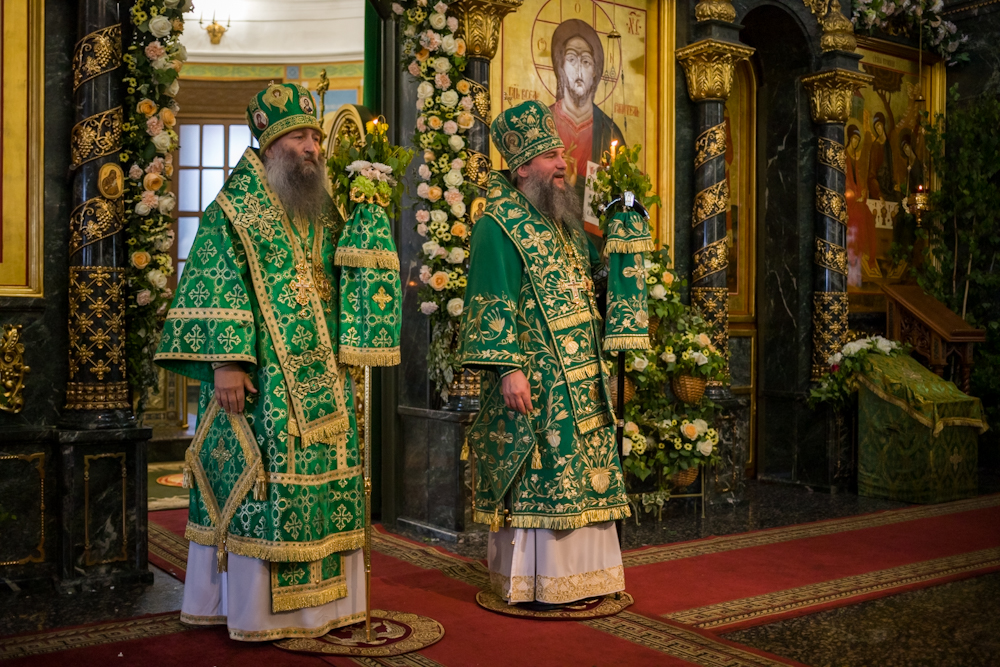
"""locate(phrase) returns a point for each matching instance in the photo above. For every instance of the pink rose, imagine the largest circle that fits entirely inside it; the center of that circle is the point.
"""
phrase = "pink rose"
(150, 199)
(156, 166)
(422, 229)
(422, 190)
(154, 126)
(450, 127)
(144, 297)
(458, 163)
(430, 40)
(452, 196)
(424, 172)
(441, 8)
(423, 216)
(442, 81)
(421, 124)
(452, 24)
(135, 172)
(425, 274)
(155, 50)
(428, 307)
(467, 102)
(414, 68)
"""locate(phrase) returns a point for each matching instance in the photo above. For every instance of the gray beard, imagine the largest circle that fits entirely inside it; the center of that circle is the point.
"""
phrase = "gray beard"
(302, 192)
(562, 205)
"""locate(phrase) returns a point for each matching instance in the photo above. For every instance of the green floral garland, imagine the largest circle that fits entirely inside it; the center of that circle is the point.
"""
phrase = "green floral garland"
(906, 17)
(153, 61)
(841, 381)
(435, 57)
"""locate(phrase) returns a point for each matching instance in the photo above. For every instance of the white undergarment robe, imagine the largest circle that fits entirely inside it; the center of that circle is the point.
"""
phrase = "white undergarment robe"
(241, 598)
(555, 566)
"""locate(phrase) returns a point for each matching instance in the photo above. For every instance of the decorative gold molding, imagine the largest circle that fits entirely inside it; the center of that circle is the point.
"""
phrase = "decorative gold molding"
(96, 338)
(97, 395)
(710, 144)
(711, 259)
(38, 458)
(93, 220)
(829, 328)
(831, 256)
(710, 202)
(96, 136)
(98, 53)
(481, 102)
(830, 93)
(479, 24)
(477, 168)
(87, 459)
(715, 10)
(838, 31)
(832, 154)
(817, 7)
(831, 203)
(714, 305)
(709, 65)
(12, 369)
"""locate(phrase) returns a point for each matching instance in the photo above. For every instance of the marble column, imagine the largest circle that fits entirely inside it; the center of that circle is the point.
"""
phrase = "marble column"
(97, 394)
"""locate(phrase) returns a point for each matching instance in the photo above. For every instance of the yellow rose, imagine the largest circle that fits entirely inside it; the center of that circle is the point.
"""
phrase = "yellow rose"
(141, 259)
(459, 229)
(465, 120)
(423, 54)
(439, 280)
(668, 278)
(463, 87)
(168, 169)
(168, 118)
(704, 340)
(689, 431)
(152, 182)
(459, 47)
(146, 107)
(177, 65)
(435, 122)
(434, 193)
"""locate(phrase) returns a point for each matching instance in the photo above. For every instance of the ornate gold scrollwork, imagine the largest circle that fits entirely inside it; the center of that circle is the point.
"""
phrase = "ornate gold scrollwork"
(97, 395)
(831, 154)
(480, 100)
(96, 337)
(831, 256)
(830, 93)
(829, 328)
(710, 144)
(709, 202)
(12, 369)
(713, 302)
(96, 136)
(709, 66)
(93, 220)
(97, 53)
(715, 10)
(711, 259)
(477, 168)
(479, 24)
(838, 31)
(817, 7)
(831, 203)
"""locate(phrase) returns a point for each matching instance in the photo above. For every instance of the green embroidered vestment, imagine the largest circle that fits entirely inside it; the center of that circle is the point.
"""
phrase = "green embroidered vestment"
(282, 482)
(526, 308)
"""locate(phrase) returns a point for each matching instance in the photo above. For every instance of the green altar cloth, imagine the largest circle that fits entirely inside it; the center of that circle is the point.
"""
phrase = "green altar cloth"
(917, 434)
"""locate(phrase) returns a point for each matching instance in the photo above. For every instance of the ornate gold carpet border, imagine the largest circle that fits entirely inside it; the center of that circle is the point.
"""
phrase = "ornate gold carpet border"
(408, 660)
(607, 606)
(695, 647)
(762, 608)
(473, 573)
(394, 633)
(168, 546)
(93, 635)
(801, 531)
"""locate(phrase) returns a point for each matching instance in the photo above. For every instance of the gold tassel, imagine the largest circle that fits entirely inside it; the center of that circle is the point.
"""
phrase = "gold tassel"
(260, 487)
(464, 456)
(187, 480)
(536, 458)
(495, 521)
(222, 558)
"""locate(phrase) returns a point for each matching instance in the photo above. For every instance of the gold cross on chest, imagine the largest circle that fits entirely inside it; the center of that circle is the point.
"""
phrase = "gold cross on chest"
(220, 454)
(573, 286)
(303, 283)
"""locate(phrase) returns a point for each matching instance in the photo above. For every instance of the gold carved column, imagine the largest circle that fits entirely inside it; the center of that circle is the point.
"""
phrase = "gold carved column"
(709, 65)
(830, 91)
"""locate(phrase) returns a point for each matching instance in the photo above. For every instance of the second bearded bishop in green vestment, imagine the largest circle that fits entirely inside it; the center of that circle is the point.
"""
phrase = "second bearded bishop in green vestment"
(549, 479)
(277, 501)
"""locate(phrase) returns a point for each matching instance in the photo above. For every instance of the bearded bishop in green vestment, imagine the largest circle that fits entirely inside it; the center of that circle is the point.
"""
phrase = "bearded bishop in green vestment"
(548, 476)
(277, 502)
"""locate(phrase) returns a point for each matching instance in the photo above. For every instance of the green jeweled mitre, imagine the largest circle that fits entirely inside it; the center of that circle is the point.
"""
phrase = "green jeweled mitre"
(627, 240)
(279, 109)
(524, 132)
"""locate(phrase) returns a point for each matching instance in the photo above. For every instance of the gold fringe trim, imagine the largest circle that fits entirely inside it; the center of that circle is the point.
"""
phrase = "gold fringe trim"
(905, 407)
(203, 535)
(285, 633)
(298, 552)
(368, 259)
(620, 246)
(369, 356)
(293, 426)
(572, 320)
(583, 372)
(301, 600)
(627, 342)
(325, 434)
(591, 423)
(557, 522)
(191, 619)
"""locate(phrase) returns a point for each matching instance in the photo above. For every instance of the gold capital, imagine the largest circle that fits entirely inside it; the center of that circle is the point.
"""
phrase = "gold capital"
(830, 93)
(717, 10)
(709, 66)
(838, 31)
(479, 24)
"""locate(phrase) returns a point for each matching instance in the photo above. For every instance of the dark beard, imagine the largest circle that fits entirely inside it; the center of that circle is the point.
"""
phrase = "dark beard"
(302, 190)
(560, 204)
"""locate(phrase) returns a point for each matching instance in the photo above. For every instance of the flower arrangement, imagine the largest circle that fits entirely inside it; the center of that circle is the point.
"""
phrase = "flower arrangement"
(364, 171)
(689, 350)
(435, 56)
(837, 386)
(619, 172)
(908, 16)
(153, 61)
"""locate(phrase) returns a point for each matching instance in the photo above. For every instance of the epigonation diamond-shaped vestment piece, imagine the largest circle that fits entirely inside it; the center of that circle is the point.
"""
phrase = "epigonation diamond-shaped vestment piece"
(276, 516)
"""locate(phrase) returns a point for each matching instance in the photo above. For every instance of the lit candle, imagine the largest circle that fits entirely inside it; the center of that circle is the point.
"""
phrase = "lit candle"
(614, 149)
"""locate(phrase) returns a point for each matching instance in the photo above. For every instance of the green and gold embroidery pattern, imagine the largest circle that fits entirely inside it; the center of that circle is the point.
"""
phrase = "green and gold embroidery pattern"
(298, 585)
(370, 316)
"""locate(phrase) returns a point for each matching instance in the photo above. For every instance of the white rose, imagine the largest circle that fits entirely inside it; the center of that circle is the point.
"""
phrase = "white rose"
(700, 358)
(439, 216)
(142, 209)
(454, 178)
(161, 63)
(442, 65)
(456, 143)
(449, 45)
(171, 3)
(456, 256)
(167, 203)
(669, 357)
(455, 307)
(172, 88)
(701, 425)
(397, 9)
(162, 142)
(658, 292)
(437, 21)
(180, 53)
(428, 307)
(449, 98)
(705, 447)
(156, 277)
(425, 89)
(640, 363)
(626, 446)
(884, 346)
(458, 209)
(835, 359)
(430, 248)
(160, 26)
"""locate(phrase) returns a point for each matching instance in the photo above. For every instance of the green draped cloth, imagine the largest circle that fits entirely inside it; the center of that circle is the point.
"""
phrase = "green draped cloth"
(528, 308)
(371, 295)
(281, 482)
(626, 242)
(917, 434)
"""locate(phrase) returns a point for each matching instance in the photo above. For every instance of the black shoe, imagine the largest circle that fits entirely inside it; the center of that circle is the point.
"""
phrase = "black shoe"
(540, 606)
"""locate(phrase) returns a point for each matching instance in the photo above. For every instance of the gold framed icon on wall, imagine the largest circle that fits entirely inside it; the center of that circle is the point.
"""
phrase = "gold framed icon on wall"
(21, 148)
